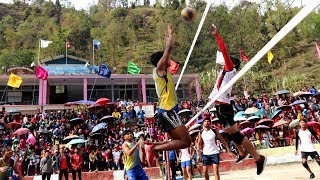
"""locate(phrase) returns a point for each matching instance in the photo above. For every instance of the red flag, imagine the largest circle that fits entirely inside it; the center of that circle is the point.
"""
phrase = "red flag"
(68, 45)
(173, 68)
(318, 50)
(41, 73)
(243, 56)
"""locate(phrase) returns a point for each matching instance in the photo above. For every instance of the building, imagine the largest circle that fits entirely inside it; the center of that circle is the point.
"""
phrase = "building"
(72, 79)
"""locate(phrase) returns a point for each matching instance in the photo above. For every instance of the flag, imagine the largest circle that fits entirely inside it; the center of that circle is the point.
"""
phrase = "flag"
(41, 73)
(14, 81)
(133, 68)
(220, 58)
(44, 43)
(270, 57)
(96, 44)
(68, 45)
(33, 64)
(243, 56)
(173, 68)
(318, 50)
(104, 71)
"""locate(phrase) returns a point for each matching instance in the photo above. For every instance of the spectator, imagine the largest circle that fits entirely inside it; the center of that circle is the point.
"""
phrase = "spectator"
(34, 162)
(76, 163)
(46, 166)
(63, 164)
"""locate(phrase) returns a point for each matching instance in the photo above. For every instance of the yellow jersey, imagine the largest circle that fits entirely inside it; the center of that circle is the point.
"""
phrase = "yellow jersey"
(165, 90)
(133, 160)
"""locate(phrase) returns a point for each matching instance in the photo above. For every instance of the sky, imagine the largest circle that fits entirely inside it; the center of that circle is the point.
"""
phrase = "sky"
(85, 4)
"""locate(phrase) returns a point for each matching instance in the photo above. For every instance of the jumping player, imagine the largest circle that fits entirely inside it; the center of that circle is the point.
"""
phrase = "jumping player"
(225, 111)
(168, 102)
(306, 146)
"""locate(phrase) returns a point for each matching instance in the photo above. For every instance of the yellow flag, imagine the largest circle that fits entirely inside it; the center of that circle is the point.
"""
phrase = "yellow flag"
(270, 57)
(14, 81)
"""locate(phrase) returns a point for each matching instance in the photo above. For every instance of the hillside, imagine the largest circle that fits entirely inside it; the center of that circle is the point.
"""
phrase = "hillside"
(136, 31)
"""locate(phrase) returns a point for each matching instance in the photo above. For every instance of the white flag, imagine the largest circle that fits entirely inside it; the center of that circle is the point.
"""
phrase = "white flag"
(44, 43)
(33, 64)
(219, 58)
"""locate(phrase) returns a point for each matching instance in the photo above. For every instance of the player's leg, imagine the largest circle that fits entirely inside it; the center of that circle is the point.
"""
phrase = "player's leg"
(206, 161)
(188, 169)
(216, 171)
(304, 158)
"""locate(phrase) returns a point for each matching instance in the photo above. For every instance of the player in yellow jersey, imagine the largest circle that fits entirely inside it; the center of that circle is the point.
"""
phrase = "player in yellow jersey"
(168, 101)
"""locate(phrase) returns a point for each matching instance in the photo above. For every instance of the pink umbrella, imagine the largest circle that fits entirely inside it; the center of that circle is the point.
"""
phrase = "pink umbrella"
(280, 122)
(245, 124)
(21, 131)
(265, 121)
(262, 127)
(313, 124)
(102, 101)
(247, 131)
(31, 140)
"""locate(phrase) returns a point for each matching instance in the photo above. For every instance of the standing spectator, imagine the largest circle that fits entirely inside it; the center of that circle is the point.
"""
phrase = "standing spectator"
(116, 158)
(76, 163)
(8, 165)
(92, 160)
(141, 113)
(63, 164)
(132, 113)
(116, 114)
(46, 166)
(34, 161)
(109, 159)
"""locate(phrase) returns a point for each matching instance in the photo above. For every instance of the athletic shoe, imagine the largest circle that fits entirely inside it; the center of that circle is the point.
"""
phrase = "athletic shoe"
(312, 176)
(260, 164)
(241, 158)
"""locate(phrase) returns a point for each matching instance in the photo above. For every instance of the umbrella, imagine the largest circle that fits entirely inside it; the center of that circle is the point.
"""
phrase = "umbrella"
(81, 102)
(313, 124)
(245, 123)
(103, 101)
(21, 131)
(247, 130)
(280, 122)
(46, 132)
(262, 127)
(70, 137)
(1, 128)
(215, 119)
(76, 121)
(106, 118)
(94, 106)
(253, 119)
(285, 107)
(195, 126)
(193, 131)
(251, 110)
(13, 125)
(95, 134)
(213, 109)
(98, 127)
(239, 119)
(305, 94)
(282, 92)
(265, 121)
(76, 141)
(297, 102)
(294, 123)
(239, 114)
(185, 113)
(276, 113)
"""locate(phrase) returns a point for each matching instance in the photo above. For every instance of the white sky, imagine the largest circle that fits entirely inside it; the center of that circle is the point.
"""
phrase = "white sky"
(85, 4)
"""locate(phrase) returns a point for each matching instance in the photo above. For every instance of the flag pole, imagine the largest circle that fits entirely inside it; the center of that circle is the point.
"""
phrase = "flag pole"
(39, 52)
(92, 53)
(66, 52)
(5, 90)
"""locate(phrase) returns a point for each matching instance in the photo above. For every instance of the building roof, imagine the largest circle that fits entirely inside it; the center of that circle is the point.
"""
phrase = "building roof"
(69, 57)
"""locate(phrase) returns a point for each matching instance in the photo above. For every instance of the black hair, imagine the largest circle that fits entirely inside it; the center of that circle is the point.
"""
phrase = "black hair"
(127, 132)
(155, 58)
(236, 62)
(304, 120)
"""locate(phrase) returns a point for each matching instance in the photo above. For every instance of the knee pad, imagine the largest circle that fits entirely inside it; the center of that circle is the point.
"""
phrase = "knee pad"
(236, 137)
(305, 164)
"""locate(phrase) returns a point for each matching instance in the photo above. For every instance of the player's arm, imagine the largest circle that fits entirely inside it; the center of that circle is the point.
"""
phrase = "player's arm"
(127, 150)
(199, 145)
(314, 134)
(228, 64)
(297, 142)
(164, 61)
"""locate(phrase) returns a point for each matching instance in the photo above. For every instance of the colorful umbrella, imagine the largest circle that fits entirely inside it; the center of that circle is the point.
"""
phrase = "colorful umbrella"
(76, 121)
(70, 137)
(98, 127)
(95, 106)
(282, 92)
(265, 121)
(214, 120)
(245, 123)
(13, 125)
(247, 131)
(195, 126)
(253, 119)
(294, 123)
(81, 102)
(313, 124)
(76, 141)
(106, 118)
(251, 110)
(280, 122)
(262, 127)
(185, 113)
(239, 119)
(103, 101)
(193, 132)
(297, 102)
(21, 131)
(276, 113)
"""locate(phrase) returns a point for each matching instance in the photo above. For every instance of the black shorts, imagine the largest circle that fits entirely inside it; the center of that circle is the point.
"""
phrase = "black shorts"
(169, 120)
(225, 113)
(313, 155)
(210, 159)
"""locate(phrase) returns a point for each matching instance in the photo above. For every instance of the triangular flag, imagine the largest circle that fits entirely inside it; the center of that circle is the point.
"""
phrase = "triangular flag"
(318, 50)
(243, 56)
(41, 73)
(68, 45)
(44, 43)
(33, 64)
(270, 57)
(173, 68)
(104, 71)
(14, 81)
(220, 58)
(133, 68)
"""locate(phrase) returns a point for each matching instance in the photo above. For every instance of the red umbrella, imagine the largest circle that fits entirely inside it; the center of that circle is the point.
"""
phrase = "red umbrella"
(265, 121)
(103, 101)
(313, 124)
(13, 125)
(21, 131)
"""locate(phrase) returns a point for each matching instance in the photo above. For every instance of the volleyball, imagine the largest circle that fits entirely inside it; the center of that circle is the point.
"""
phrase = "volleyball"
(188, 14)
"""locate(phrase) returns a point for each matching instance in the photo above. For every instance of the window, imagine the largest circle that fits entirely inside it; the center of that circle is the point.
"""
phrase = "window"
(60, 89)
(14, 97)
